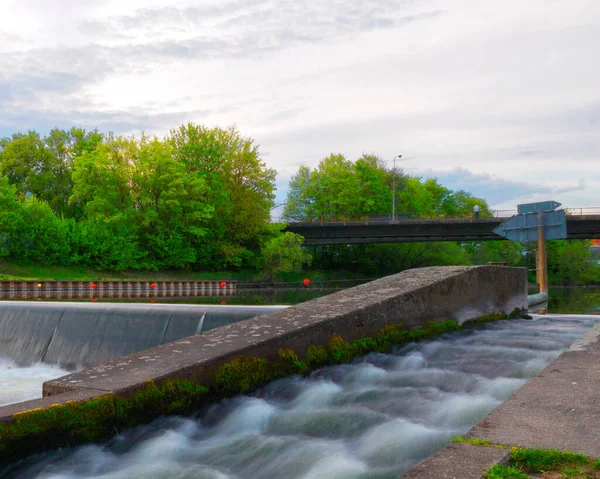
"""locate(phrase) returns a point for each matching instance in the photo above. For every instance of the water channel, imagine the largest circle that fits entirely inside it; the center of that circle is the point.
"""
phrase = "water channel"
(374, 418)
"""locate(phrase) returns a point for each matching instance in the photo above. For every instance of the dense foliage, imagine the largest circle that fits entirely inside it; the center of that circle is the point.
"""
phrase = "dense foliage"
(200, 199)
(340, 189)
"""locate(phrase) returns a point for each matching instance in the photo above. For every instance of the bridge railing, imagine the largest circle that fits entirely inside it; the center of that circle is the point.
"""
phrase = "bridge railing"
(577, 211)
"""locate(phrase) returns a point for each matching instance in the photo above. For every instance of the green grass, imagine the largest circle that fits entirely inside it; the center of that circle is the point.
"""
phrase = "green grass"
(550, 463)
(504, 472)
(31, 271)
(540, 460)
(475, 442)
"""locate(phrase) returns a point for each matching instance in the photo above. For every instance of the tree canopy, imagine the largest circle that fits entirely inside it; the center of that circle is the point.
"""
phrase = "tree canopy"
(339, 189)
(200, 199)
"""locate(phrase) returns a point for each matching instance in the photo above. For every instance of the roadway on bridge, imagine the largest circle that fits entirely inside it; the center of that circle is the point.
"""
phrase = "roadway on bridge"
(430, 230)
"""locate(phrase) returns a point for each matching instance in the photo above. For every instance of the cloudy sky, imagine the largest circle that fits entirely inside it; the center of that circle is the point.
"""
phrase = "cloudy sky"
(500, 98)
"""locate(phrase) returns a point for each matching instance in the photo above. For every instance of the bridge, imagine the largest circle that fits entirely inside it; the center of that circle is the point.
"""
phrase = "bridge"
(579, 226)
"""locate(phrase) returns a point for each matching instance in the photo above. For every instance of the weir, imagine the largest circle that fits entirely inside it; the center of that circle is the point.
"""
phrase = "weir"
(374, 418)
(176, 377)
(83, 334)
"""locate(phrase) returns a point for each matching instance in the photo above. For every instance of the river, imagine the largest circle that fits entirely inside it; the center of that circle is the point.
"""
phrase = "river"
(563, 300)
(374, 418)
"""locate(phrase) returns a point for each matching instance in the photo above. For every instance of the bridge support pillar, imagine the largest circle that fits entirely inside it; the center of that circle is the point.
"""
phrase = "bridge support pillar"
(542, 263)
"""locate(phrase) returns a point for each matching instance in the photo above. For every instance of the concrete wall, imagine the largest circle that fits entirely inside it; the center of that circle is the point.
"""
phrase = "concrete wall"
(412, 297)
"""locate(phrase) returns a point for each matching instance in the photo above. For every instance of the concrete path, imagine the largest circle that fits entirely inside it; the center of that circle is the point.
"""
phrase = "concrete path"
(558, 409)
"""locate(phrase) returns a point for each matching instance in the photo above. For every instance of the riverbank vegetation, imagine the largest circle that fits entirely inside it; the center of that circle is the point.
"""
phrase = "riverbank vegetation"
(545, 464)
(79, 204)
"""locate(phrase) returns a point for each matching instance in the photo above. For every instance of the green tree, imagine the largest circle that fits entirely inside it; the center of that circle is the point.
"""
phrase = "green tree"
(239, 188)
(339, 189)
(298, 202)
(373, 189)
(170, 205)
(43, 166)
(284, 253)
(11, 220)
(571, 262)
(483, 252)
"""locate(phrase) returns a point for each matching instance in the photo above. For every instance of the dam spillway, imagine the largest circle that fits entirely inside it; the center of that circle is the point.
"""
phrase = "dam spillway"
(372, 316)
(85, 334)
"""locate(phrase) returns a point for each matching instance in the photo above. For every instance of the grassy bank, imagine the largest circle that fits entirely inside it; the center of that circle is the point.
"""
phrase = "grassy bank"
(32, 271)
(18, 272)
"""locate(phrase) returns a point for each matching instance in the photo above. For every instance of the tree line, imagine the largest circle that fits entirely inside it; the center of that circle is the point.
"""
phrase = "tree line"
(200, 199)
(338, 189)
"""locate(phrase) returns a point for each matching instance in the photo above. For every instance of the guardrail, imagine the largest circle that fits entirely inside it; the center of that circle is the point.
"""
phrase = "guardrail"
(578, 211)
(113, 289)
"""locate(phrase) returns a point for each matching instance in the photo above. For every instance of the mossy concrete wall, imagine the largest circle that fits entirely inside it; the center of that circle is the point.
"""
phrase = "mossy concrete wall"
(176, 377)
(412, 297)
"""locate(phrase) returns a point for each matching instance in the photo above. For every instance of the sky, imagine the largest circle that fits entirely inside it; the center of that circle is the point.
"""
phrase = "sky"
(499, 98)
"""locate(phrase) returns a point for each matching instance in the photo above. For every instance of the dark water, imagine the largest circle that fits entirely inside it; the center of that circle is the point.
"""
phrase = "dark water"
(574, 300)
(563, 300)
(372, 419)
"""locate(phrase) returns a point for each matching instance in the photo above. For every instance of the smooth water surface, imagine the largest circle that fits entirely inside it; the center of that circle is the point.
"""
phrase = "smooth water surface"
(574, 300)
(374, 418)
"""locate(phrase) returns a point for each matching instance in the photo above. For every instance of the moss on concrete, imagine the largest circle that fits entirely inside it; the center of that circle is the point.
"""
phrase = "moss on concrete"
(514, 314)
(244, 374)
(72, 423)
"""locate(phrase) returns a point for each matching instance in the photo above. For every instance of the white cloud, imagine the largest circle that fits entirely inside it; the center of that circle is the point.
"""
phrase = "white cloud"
(467, 88)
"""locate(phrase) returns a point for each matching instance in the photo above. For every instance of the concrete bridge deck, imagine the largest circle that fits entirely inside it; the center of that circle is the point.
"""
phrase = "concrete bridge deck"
(430, 230)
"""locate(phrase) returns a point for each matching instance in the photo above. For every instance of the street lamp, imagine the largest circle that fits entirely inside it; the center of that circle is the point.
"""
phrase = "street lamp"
(394, 189)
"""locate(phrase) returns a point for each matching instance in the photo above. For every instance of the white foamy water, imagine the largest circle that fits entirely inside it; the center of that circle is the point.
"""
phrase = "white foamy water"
(373, 419)
(22, 383)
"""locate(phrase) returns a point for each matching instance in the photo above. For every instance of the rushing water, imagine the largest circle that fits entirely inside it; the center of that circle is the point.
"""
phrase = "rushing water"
(22, 383)
(374, 418)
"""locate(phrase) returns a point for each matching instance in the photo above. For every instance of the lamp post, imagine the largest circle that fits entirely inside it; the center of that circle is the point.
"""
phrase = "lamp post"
(394, 189)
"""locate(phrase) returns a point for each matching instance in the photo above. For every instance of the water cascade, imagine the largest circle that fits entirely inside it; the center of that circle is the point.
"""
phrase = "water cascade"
(374, 418)
(85, 334)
